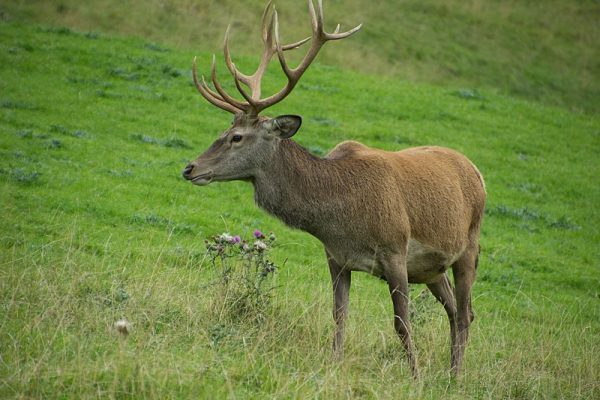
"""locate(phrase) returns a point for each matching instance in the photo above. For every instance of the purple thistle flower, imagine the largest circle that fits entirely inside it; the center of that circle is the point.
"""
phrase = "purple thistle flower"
(235, 239)
(258, 234)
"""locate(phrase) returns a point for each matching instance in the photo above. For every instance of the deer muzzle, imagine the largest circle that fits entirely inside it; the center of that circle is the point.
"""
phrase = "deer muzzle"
(197, 179)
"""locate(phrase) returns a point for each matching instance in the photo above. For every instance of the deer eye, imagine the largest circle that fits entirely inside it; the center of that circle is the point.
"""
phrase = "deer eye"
(236, 138)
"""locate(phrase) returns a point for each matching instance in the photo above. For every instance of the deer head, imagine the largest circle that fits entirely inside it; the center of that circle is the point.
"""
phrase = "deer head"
(248, 144)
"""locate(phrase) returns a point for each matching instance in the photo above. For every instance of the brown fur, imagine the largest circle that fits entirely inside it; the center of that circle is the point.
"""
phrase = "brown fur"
(404, 216)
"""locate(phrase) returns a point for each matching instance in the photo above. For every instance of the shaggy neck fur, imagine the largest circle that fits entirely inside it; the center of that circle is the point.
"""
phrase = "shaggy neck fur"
(299, 188)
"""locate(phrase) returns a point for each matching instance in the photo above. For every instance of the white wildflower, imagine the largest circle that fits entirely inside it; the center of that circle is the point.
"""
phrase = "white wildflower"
(260, 245)
(226, 238)
(123, 326)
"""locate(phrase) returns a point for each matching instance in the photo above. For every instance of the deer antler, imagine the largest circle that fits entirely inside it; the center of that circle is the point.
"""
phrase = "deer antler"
(253, 104)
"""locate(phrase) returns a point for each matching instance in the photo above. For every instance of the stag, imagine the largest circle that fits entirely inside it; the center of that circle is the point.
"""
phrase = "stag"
(406, 216)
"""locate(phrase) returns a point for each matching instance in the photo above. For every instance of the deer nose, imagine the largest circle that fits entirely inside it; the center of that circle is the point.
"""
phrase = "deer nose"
(187, 171)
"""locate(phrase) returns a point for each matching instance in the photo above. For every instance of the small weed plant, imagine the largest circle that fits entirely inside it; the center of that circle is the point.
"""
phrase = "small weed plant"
(245, 275)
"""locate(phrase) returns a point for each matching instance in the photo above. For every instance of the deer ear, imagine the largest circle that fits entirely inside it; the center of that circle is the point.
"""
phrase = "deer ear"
(284, 126)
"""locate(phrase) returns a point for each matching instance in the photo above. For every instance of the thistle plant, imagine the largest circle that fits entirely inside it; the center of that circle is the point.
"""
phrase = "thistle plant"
(245, 273)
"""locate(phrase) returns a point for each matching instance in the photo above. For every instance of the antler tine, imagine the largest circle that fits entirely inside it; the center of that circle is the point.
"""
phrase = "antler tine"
(243, 77)
(286, 70)
(266, 24)
(293, 46)
(320, 14)
(209, 95)
(222, 92)
(214, 95)
(335, 35)
(239, 87)
(314, 20)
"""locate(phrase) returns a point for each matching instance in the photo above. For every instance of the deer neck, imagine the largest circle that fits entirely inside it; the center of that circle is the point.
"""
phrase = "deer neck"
(294, 187)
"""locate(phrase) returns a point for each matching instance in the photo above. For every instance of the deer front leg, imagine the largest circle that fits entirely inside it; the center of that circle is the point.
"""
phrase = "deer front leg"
(340, 279)
(397, 278)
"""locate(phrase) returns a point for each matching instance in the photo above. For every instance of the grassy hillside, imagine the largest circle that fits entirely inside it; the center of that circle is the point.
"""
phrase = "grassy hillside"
(543, 50)
(97, 225)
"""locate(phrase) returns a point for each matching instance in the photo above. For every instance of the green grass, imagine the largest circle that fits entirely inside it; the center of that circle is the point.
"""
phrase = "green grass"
(97, 225)
(544, 50)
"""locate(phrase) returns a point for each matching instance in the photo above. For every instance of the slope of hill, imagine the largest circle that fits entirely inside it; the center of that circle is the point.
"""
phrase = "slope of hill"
(544, 50)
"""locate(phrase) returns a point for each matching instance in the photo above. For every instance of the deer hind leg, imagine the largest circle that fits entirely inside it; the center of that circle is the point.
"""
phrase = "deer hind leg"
(340, 279)
(444, 293)
(464, 271)
(397, 278)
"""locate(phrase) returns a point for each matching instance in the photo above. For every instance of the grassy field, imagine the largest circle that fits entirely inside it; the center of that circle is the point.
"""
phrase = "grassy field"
(97, 224)
(545, 50)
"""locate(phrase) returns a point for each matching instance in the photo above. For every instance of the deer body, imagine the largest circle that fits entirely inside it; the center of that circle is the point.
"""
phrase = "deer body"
(403, 216)
(363, 203)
